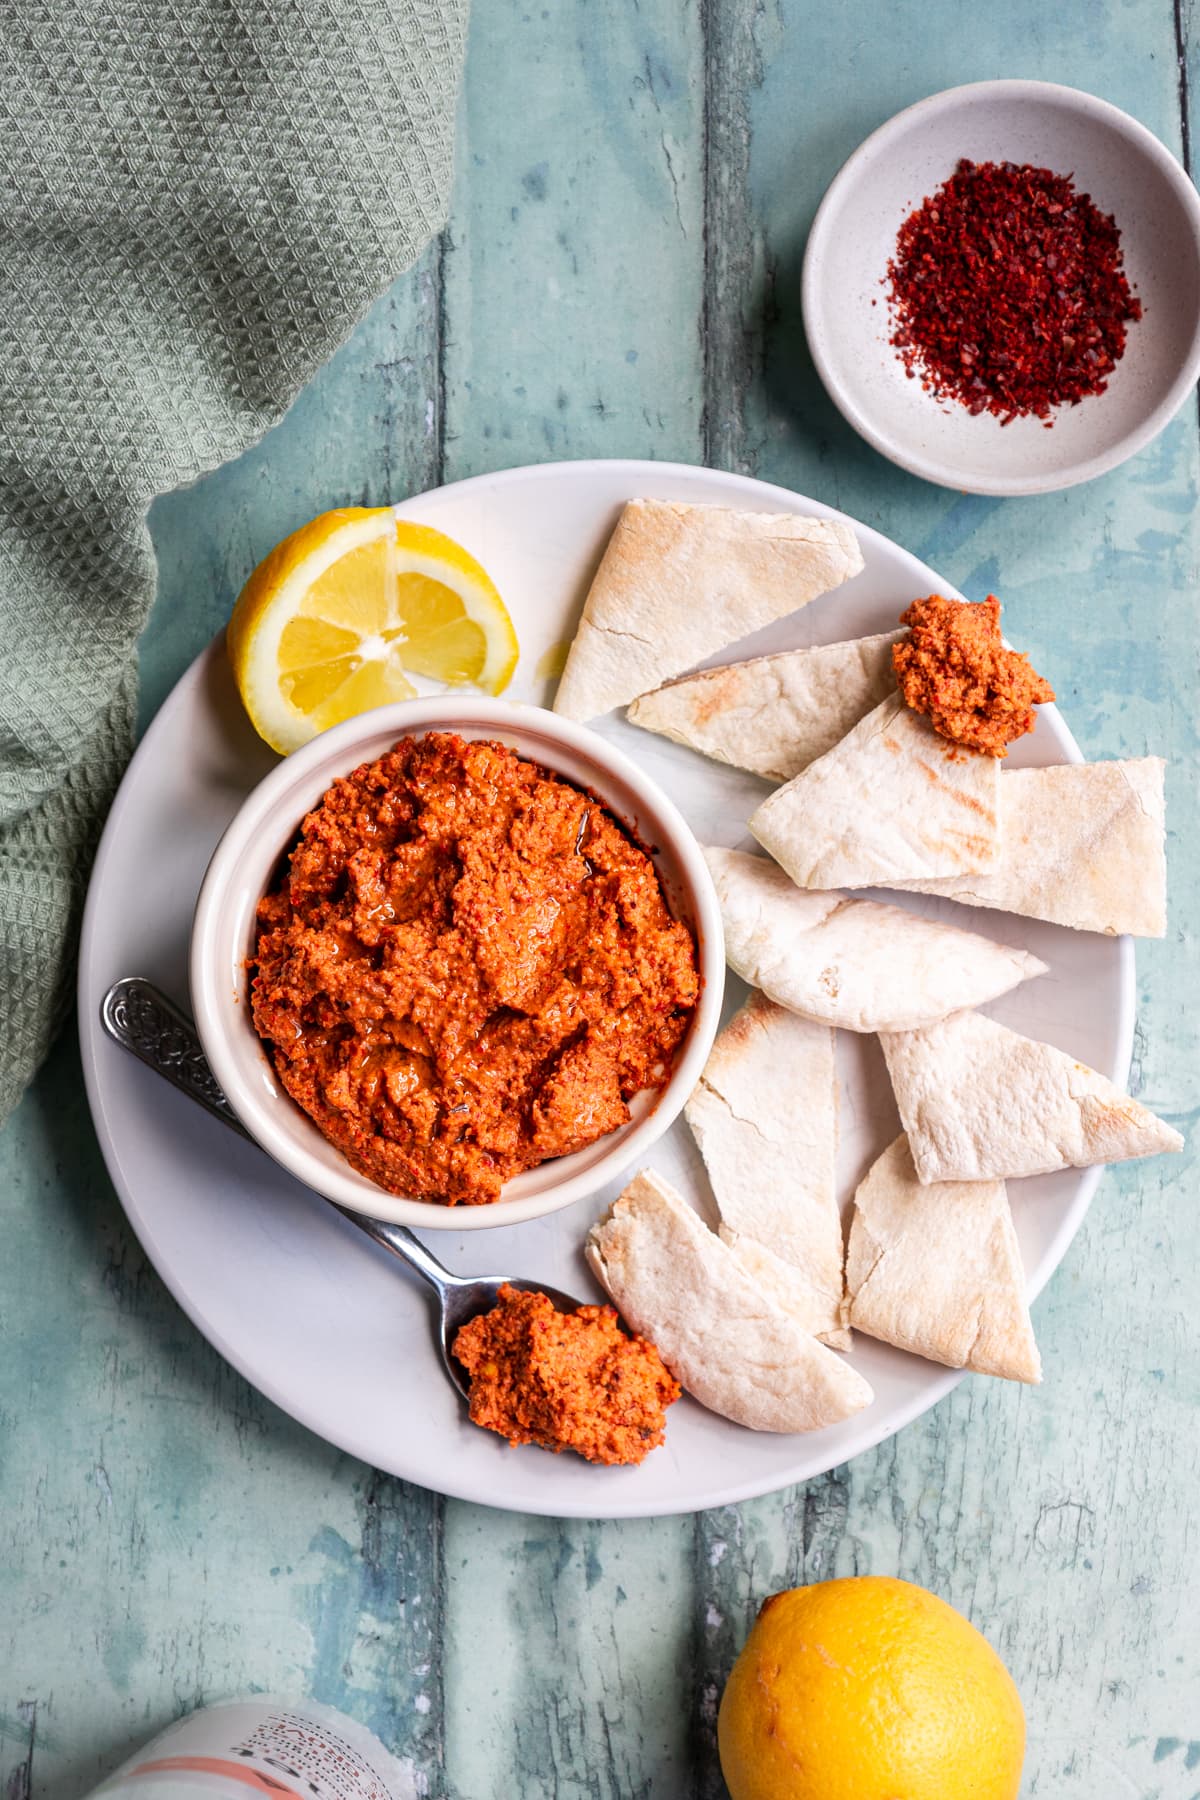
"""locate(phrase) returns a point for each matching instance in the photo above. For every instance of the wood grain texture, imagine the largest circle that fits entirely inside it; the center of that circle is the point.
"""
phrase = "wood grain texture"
(574, 276)
(621, 276)
(568, 1654)
(574, 296)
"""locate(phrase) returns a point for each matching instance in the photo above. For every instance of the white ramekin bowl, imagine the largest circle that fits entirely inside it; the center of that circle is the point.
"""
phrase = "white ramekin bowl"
(248, 857)
(846, 317)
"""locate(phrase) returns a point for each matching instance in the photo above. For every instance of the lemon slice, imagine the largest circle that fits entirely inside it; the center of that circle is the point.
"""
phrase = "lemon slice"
(339, 616)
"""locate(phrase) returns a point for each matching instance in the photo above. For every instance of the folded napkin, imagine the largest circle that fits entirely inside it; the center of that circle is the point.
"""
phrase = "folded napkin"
(197, 203)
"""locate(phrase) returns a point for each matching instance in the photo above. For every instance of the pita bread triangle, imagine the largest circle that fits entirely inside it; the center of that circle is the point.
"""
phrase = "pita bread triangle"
(764, 1115)
(783, 1283)
(891, 802)
(1081, 844)
(723, 1337)
(854, 963)
(773, 715)
(937, 1270)
(981, 1103)
(679, 582)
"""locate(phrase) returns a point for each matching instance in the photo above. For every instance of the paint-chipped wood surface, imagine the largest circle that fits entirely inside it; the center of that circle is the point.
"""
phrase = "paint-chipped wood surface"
(620, 277)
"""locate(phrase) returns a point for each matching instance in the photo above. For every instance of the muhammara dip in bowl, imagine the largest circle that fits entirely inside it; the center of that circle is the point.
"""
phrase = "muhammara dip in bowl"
(426, 1002)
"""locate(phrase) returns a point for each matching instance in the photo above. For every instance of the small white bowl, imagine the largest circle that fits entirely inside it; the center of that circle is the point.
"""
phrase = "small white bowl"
(247, 859)
(1127, 172)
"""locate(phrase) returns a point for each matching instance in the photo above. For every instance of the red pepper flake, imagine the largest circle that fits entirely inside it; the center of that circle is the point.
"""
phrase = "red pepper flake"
(1008, 292)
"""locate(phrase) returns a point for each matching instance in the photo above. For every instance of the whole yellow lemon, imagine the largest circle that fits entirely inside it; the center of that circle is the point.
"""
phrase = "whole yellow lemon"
(869, 1689)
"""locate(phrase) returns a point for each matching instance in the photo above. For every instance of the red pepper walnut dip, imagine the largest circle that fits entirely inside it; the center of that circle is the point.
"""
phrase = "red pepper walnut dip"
(566, 1381)
(954, 667)
(467, 968)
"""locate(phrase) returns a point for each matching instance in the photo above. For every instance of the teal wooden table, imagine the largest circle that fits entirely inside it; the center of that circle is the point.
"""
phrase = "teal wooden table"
(620, 278)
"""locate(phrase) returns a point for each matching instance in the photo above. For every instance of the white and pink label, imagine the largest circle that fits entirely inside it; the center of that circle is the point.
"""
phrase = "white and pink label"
(305, 1752)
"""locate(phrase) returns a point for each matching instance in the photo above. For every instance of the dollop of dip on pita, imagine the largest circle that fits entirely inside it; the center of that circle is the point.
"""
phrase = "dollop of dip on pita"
(565, 1381)
(954, 668)
(467, 967)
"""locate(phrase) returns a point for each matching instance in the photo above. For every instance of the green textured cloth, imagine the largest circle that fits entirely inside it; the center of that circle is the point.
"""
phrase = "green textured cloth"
(197, 203)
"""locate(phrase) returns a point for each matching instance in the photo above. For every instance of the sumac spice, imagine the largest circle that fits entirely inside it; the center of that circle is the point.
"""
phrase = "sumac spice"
(1008, 291)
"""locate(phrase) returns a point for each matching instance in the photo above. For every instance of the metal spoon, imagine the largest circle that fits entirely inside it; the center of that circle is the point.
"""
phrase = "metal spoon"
(140, 1017)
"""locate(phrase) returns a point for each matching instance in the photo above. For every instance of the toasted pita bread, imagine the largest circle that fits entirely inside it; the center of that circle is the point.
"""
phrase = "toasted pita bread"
(1081, 844)
(722, 1337)
(764, 1114)
(776, 714)
(937, 1270)
(981, 1103)
(854, 963)
(891, 802)
(678, 582)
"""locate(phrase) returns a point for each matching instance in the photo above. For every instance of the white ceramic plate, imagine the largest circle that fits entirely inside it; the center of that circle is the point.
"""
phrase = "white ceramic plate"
(1128, 174)
(306, 1308)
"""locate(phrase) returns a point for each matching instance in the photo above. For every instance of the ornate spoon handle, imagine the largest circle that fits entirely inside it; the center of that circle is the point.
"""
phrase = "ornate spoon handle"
(141, 1018)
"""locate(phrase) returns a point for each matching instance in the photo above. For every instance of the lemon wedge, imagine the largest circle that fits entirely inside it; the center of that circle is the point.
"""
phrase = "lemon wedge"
(341, 613)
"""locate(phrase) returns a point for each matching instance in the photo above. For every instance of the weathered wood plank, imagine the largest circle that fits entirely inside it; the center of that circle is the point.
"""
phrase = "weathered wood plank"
(567, 1653)
(573, 311)
(1033, 1512)
(575, 261)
